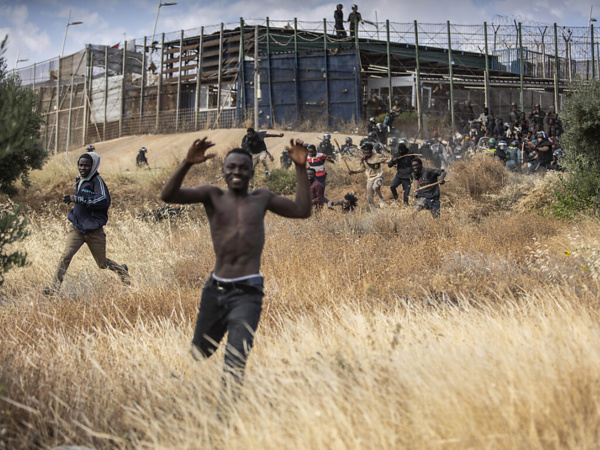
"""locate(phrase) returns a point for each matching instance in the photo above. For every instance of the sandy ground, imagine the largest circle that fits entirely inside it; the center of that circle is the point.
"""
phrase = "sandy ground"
(165, 149)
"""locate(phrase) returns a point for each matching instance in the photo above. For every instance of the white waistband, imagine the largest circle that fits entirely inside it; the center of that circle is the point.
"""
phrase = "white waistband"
(235, 280)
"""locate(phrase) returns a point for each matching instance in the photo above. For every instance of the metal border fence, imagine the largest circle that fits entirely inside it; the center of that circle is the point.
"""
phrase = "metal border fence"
(102, 93)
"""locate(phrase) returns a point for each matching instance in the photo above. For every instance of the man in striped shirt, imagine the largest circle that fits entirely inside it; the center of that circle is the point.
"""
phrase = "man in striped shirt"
(316, 161)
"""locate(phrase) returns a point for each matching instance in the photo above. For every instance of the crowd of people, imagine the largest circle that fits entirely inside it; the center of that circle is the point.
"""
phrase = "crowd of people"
(526, 142)
(232, 296)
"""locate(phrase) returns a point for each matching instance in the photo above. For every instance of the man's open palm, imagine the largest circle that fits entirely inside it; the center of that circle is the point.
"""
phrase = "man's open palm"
(197, 152)
(297, 152)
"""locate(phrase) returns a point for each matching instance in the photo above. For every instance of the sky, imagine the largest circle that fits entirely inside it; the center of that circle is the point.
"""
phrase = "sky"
(36, 28)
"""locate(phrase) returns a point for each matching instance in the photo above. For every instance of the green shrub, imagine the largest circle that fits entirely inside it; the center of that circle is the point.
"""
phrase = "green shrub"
(282, 182)
(579, 189)
(12, 229)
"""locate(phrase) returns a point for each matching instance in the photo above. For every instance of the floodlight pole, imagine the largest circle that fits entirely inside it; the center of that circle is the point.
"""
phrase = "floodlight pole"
(69, 23)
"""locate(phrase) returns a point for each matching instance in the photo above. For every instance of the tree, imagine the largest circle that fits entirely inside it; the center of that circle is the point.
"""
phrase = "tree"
(20, 152)
(20, 148)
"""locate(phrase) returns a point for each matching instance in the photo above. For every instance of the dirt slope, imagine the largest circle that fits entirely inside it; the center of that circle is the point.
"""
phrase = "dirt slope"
(119, 154)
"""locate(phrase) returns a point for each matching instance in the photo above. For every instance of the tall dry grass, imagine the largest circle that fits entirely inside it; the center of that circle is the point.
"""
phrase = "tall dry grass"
(379, 330)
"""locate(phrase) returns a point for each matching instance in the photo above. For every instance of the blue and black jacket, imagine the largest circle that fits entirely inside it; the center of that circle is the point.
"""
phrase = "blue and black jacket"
(92, 200)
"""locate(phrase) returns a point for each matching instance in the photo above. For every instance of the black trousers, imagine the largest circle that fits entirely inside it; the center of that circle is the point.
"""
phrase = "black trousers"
(405, 182)
(234, 308)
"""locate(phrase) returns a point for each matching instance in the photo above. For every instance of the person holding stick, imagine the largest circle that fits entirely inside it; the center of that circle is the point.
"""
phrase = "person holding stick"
(428, 187)
(232, 297)
(403, 162)
(371, 164)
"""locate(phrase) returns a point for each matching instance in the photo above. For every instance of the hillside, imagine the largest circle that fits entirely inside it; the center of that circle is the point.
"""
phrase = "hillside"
(384, 329)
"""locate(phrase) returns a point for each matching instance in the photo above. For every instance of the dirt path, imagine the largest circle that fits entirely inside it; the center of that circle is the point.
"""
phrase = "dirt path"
(164, 149)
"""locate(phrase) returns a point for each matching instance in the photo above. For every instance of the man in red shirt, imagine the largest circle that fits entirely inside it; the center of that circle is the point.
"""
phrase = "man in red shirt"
(316, 161)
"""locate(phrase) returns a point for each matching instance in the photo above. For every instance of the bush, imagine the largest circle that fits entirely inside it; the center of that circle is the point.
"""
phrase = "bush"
(282, 182)
(579, 188)
(12, 229)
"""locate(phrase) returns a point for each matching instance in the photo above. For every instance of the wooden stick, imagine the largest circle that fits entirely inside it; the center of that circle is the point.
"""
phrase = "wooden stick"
(428, 186)
(341, 155)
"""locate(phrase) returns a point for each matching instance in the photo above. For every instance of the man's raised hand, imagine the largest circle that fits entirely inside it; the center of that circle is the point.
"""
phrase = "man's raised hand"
(197, 152)
(297, 152)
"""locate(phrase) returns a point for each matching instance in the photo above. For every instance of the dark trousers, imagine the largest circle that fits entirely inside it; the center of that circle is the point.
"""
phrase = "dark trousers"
(322, 179)
(432, 204)
(405, 182)
(233, 308)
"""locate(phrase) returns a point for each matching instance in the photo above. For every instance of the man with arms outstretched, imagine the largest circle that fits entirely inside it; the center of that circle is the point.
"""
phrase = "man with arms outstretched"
(232, 297)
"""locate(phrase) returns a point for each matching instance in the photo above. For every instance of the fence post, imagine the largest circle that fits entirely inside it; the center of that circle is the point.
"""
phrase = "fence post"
(57, 107)
(241, 100)
(199, 78)
(159, 85)
(219, 77)
(178, 103)
(556, 67)
(70, 116)
(451, 78)
(486, 80)
(143, 86)
(122, 109)
(105, 91)
(389, 64)
(256, 79)
(86, 89)
(325, 73)
(296, 71)
(269, 74)
(521, 67)
(593, 58)
(418, 73)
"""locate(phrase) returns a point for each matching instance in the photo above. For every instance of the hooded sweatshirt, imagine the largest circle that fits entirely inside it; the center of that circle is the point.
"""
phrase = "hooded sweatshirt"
(92, 200)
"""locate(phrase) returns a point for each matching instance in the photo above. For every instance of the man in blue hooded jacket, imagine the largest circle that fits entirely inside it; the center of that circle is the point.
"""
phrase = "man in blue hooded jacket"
(88, 216)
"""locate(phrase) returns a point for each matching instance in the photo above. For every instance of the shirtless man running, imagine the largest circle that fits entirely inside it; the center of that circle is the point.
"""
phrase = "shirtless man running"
(232, 296)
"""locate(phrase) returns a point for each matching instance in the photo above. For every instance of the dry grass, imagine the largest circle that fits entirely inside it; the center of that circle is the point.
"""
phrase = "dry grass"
(379, 330)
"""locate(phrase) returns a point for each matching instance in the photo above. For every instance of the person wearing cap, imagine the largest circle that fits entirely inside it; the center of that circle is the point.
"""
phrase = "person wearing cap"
(141, 159)
(354, 17)
(88, 217)
(338, 17)
(372, 165)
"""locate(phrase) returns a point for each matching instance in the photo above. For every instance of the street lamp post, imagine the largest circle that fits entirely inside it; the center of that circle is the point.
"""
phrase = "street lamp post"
(66, 28)
(18, 60)
(156, 20)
